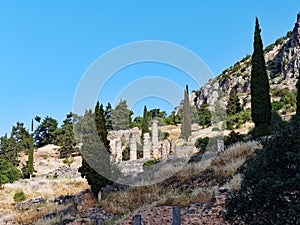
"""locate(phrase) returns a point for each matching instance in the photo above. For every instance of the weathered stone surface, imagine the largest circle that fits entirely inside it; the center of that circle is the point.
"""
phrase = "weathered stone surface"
(176, 217)
(29, 203)
(137, 220)
(164, 150)
(200, 213)
(155, 144)
(118, 151)
(132, 167)
(172, 146)
(147, 147)
(220, 144)
(99, 196)
(133, 149)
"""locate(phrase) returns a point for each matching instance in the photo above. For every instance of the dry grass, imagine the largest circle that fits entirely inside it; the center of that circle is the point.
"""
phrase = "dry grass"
(183, 199)
(40, 186)
(225, 165)
(228, 162)
(36, 213)
(48, 188)
(131, 199)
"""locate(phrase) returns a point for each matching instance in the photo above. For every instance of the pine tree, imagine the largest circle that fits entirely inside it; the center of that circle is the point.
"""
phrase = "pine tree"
(145, 122)
(46, 131)
(121, 116)
(66, 138)
(260, 89)
(186, 123)
(233, 105)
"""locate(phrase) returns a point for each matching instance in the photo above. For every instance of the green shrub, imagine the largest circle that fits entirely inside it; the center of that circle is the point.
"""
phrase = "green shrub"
(19, 196)
(201, 144)
(162, 135)
(150, 163)
(276, 105)
(215, 129)
(269, 192)
(126, 153)
(232, 138)
(236, 120)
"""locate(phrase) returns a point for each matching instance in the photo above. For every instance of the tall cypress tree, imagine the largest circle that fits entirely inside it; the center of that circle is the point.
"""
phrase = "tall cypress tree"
(95, 152)
(233, 105)
(186, 122)
(100, 122)
(145, 122)
(298, 96)
(108, 111)
(260, 89)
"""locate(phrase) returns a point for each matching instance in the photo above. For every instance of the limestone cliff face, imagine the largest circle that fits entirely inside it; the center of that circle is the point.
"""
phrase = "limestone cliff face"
(282, 60)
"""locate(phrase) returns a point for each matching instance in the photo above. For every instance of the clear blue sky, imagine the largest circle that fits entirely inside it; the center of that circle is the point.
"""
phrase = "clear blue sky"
(46, 46)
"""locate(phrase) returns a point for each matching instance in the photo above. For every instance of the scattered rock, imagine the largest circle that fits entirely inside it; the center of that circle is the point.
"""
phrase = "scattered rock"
(30, 203)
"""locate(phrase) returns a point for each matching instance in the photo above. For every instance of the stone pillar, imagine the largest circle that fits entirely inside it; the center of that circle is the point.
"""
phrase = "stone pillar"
(137, 219)
(133, 149)
(164, 150)
(146, 147)
(172, 146)
(220, 145)
(118, 151)
(176, 217)
(154, 139)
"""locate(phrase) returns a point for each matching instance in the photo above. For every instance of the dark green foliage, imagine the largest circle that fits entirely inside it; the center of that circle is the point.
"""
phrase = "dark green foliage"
(150, 163)
(96, 165)
(201, 144)
(100, 122)
(186, 122)
(204, 116)
(32, 126)
(173, 119)
(126, 153)
(121, 116)
(21, 137)
(269, 191)
(233, 105)
(8, 150)
(233, 137)
(46, 132)
(156, 113)
(236, 120)
(65, 137)
(8, 172)
(108, 111)
(19, 196)
(139, 150)
(260, 96)
(145, 123)
(277, 121)
(298, 96)
(277, 105)
(37, 119)
(137, 122)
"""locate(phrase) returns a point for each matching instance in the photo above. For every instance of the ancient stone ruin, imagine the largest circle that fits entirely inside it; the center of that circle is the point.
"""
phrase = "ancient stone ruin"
(152, 148)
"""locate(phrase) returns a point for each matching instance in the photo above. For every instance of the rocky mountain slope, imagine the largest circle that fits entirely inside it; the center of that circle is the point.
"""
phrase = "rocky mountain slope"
(282, 60)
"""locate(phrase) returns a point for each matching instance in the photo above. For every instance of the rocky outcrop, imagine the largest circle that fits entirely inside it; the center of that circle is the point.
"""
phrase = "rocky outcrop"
(282, 61)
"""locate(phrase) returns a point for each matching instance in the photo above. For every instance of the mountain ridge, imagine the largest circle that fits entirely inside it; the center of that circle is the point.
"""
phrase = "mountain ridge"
(282, 61)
